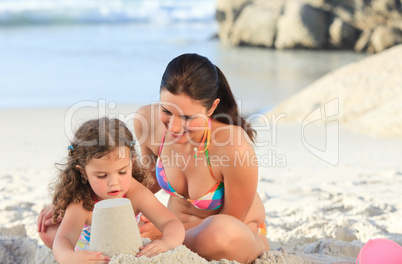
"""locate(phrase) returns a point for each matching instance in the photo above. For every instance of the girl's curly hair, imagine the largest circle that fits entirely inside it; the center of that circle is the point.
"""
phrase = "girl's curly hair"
(94, 139)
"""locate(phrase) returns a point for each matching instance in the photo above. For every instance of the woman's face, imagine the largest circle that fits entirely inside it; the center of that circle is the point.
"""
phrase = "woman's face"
(183, 117)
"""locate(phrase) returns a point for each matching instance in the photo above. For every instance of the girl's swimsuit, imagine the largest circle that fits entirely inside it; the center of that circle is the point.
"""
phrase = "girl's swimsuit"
(83, 240)
(85, 237)
(212, 200)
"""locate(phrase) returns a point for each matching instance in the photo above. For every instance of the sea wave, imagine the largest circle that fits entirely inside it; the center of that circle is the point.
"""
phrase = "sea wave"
(21, 12)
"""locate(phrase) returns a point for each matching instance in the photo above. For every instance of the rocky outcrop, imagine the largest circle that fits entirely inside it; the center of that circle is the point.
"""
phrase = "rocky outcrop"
(368, 96)
(360, 25)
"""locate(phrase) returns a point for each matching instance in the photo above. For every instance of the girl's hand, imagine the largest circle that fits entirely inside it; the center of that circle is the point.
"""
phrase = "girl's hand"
(147, 229)
(85, 256)
(45, 218)
(154, 248)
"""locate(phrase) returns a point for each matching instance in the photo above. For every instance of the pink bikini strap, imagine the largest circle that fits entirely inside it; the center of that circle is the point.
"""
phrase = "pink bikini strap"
(161, 145)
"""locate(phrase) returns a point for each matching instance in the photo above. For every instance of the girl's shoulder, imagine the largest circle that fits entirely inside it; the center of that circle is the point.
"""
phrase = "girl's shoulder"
(137, 193)
(76, 206)
(78, 209)
(77, 212)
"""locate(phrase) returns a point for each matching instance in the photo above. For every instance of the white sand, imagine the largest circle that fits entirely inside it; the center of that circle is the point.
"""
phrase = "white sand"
(316, 212)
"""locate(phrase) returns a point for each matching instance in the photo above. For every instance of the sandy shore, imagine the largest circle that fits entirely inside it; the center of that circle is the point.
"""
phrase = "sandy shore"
(316, 212)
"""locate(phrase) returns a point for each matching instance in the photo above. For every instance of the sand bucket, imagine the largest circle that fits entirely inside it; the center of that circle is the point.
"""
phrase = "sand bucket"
(380, 251)
(114, 229)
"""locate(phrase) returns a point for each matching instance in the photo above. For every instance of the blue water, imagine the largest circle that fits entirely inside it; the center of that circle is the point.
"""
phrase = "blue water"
(13, 12)
(59, 65)
(59, 52)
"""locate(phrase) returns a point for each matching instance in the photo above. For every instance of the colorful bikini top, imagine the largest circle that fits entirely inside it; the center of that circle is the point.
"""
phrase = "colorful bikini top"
(213, 199)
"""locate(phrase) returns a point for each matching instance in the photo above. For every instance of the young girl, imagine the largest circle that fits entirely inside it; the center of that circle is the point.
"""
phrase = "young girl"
(101, 165)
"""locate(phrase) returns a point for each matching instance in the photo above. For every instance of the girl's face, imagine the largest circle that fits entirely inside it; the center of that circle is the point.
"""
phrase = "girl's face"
(110, 176)
(183, 117)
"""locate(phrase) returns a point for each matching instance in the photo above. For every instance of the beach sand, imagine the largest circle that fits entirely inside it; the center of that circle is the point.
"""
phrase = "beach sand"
(316, 212)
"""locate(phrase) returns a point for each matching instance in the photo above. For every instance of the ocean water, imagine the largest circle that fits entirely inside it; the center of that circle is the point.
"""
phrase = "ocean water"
(60, 52)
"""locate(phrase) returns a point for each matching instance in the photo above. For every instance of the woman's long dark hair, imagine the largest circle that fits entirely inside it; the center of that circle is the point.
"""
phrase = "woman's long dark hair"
(197, 77)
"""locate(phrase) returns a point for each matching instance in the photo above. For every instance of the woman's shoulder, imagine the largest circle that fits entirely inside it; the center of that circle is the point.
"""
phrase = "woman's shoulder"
(147, 127)
(146, 117)
(229, 136)
(146, 112)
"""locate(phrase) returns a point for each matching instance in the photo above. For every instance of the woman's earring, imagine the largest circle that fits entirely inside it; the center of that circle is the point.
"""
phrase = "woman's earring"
(84, 181)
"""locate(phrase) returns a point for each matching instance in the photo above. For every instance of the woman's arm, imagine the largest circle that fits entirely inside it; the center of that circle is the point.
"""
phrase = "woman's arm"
(167, 223)
(240, 176)
(45, 218)
(67, 236)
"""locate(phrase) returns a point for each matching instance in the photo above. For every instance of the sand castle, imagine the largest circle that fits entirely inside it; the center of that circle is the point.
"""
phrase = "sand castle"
(114, 228)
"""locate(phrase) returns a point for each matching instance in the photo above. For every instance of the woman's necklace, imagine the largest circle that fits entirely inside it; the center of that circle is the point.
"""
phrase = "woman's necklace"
(205, 138)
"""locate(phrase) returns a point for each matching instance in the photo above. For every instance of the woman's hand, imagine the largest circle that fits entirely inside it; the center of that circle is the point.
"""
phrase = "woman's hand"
(154, 248)
(147, 229)
(45, 218)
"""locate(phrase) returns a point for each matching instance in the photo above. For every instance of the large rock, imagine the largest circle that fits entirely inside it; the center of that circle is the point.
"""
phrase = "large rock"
(385, 37)
(369, 93)
(362, 44)
(342, 34)
(227, 12)
(303, 26)
(256, 25)
(362, 25)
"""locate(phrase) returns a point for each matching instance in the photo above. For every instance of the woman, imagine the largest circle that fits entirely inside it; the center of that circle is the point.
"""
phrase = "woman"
(198, 148)
(196, 144)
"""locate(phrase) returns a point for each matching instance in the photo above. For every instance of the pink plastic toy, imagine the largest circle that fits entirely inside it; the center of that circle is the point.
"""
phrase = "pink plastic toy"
(380, 251)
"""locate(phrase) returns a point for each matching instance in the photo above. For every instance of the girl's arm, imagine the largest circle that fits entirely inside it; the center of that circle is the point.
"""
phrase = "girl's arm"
(67, 236)
(169, 225)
